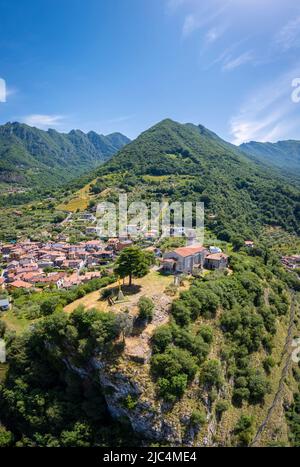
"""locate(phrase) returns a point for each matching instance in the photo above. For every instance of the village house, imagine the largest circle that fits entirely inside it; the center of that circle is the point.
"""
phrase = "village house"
(87, 216)
(58, 262)
(291, 262)
(112, 244)
(92, 231)
(184, 259)
(216, 261)
(57, 279)
(106, 255)
(45, 263)
(73, 263)
(20, 285)
(249, 244)
(123, 244)
(93, 245)
(4, 304)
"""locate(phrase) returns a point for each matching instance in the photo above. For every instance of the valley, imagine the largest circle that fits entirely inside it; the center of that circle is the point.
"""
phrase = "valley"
(158, 341)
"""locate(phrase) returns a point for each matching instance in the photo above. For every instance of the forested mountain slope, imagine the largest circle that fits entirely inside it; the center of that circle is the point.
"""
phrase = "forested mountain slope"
(285, 154)
(34, 158)
(188, 162)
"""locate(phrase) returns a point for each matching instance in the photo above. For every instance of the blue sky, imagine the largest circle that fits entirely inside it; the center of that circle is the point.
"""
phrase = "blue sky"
(123, 65)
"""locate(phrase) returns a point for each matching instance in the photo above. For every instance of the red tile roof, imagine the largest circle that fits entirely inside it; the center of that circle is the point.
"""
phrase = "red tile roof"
(189, 250)
(21, 285)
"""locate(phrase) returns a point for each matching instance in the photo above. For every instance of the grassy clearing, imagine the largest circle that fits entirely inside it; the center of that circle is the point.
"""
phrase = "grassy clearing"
(155, 178)
(152, 284)
(80, 201)
(15, 323)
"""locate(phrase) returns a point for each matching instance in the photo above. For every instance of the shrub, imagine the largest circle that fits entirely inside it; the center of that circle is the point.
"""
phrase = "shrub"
(198, 418)
(181, 313)
(162, 338)
(268, 364)
(258, 387)
(239, 395)
(6, 438)
(221, 407)
(146, 308)
(206, 333)
(211, 374)
(244, 430)
(172, 389)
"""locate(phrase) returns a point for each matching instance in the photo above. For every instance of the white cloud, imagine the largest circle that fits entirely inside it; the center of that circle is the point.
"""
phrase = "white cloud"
(289, 36)
(202, 16)
(269, 114)
(232, 63)
(190, 25)
(43, 121)
(214, 34)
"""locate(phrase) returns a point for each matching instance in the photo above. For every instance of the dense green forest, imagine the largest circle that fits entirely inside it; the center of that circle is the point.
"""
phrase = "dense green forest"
(44, 402)
(190, 163)
(285, 154)
(33, 158)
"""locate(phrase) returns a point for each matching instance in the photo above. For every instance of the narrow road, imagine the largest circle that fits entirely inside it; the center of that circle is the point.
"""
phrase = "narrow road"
(287, 350)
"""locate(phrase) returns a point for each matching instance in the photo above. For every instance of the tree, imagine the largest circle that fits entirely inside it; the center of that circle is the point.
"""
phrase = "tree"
(268, 364)
(258, 386)
(244, 430)
(132, 262)
(146, 308)
(173, 388)
(221, 407)
(211, 374)
(6, 438)
(181, 313)
(125, 324)
(49, 305)
(162, 338)
(198, 418)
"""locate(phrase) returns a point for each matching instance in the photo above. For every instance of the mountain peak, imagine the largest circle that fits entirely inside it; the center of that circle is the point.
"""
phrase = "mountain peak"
(33, 157)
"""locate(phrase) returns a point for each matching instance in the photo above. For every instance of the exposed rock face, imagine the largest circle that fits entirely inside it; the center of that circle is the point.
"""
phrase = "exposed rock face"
(130, 392)
(147, 416)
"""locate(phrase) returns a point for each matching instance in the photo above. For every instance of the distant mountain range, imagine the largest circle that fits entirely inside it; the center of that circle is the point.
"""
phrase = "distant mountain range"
(189, 162)
(30, 157)
(284, 155)
(241, 186)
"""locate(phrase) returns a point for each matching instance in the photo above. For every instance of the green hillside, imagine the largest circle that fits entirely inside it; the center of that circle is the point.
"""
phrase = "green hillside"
(285, 154)
(34, 158)
(188, 162)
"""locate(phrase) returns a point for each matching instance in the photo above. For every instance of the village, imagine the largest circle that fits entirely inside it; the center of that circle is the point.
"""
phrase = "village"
(54, 264)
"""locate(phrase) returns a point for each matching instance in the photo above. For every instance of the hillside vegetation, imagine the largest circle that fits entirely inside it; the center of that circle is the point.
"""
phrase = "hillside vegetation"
(284, 154)
(33, 158)
(190, 163)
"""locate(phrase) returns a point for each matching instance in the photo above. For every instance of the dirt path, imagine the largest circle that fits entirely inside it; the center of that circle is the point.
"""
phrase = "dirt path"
(288, 352)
